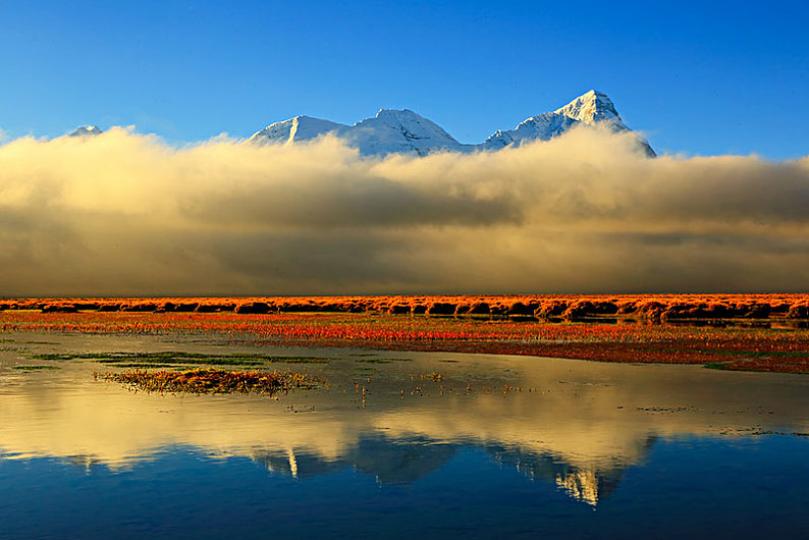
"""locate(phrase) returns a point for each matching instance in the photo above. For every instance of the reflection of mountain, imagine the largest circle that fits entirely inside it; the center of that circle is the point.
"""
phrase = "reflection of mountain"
(297, 464)
(396, 461)
(390, 461)
(575, 425)
(587, 483)
(85, 462)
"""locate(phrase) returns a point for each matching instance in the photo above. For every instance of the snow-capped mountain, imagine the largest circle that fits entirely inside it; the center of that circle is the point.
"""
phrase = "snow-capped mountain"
(404, 131)
(299, 128)
(85, 131)
(592, 108)
(540, 127)
(393, 131)
(390, 131)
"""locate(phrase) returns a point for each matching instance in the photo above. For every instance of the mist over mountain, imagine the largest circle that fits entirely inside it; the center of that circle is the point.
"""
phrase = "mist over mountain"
(567, 201)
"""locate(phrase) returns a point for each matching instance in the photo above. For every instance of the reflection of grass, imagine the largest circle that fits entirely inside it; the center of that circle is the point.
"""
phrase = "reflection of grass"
(166, 361)
(762, 354)
(716, 365)
(34, 368)
(53, 356)
(147, 365)
(176, 359)
(365, 370)
(759, 362)
(382, 360)
(300, 360)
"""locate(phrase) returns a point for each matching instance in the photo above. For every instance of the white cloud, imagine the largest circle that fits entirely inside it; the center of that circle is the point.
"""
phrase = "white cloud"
(123, 213)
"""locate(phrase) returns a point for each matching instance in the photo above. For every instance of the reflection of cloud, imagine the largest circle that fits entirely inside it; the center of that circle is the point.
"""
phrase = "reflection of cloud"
(394, 461)
(582, 414)
(124, 213)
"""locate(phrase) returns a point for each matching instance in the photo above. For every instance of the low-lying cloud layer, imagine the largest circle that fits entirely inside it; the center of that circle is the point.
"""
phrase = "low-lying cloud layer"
(123, 213)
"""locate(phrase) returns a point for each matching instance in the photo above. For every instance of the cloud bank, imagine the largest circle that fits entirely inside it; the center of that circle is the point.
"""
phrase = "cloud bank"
(126, 214)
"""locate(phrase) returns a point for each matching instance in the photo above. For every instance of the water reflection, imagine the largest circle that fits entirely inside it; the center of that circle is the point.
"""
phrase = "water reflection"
(573, 425)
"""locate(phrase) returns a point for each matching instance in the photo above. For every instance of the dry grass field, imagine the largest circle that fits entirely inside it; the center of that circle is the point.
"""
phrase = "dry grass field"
(733, 332)
(566, 307)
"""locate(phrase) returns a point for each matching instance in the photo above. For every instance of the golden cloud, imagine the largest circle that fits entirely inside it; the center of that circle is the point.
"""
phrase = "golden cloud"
(123, 213)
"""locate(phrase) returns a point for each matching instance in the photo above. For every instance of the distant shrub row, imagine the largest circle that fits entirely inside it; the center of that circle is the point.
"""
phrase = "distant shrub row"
(572, 307)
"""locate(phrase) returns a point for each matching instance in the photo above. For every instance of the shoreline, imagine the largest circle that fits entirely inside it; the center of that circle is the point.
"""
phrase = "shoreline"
(644, 307)
(737, 348)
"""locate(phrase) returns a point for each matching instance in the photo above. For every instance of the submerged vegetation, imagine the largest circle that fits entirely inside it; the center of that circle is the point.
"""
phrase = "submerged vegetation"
(210, 381)
(178, 358)
(35, 367)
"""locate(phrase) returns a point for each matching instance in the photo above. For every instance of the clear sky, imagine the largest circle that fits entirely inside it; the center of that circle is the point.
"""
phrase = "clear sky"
(698, 77)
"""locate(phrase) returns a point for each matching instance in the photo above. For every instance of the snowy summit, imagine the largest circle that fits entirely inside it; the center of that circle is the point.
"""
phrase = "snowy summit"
(390, 131)
(592, 108)
(85, 131)
(404, 131)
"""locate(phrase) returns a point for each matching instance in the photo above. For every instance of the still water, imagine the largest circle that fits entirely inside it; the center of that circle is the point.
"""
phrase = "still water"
(398, 445)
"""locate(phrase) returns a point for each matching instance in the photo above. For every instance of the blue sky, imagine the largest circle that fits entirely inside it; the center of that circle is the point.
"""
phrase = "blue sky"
(699, 78)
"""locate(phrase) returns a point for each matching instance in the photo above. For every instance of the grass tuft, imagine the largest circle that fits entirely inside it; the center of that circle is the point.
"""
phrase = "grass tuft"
(210, 381)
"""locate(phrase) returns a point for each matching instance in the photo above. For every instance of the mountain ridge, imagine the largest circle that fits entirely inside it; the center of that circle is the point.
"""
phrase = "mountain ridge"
(405, 131)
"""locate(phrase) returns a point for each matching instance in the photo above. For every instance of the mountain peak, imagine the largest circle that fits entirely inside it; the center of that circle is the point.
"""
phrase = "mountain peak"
(399, 130)
(593, 94)
(297, 128)
(383, 111)
(393, 131)
(396, 113)
(85, 131)
(591, 107)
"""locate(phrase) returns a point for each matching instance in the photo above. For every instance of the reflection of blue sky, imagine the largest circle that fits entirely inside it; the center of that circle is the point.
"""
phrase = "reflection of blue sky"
(580, 436)
(739, 487)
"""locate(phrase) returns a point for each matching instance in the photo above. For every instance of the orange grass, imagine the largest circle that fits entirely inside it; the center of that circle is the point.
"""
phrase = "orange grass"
(734, 347)
(569, 307)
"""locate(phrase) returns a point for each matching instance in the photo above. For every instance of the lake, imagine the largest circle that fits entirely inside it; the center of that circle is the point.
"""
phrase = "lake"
(395, 444)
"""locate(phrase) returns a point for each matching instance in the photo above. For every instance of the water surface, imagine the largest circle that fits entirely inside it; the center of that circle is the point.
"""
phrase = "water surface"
(397, 445)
